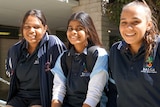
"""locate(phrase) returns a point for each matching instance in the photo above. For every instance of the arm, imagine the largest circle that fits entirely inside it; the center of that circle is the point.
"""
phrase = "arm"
(56, 103)
(98, 79)
(95, 89)
(86, 105)
(59, 88)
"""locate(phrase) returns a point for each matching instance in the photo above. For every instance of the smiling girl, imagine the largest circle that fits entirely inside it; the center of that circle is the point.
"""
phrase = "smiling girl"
(134, 62)
(76, 85)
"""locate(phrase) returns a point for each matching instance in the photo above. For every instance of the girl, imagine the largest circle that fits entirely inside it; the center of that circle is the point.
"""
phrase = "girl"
(29, 61)
(134, 62)
(75, 85)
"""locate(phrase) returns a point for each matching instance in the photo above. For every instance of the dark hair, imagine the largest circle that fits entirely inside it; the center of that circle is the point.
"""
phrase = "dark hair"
(37, 13)
(150, 35)
(90, 30)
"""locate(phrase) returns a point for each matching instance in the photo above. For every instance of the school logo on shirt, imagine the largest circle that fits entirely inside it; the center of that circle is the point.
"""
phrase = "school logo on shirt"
(36, 61)
(148, 66)
(85, 72)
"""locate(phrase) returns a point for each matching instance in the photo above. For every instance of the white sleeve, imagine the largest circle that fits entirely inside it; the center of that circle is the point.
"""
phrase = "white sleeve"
(59, 88)
(59, 81)
(98, 79)
(95, 88)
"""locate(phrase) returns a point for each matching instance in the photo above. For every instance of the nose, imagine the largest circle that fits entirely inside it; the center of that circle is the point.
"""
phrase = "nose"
(129, 26)
(74, 31)
(32, 30)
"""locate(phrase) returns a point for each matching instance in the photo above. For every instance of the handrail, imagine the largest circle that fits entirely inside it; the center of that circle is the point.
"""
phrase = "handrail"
(4, 81)
(2, 103)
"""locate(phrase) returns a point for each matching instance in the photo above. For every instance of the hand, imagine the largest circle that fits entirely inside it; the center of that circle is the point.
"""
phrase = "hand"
(56, 103)
(86, 105)
(47, 66)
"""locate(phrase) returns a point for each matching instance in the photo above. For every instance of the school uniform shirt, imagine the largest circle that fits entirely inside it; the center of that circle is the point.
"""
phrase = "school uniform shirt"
(27, 73)
(137, 80)
(80, 86)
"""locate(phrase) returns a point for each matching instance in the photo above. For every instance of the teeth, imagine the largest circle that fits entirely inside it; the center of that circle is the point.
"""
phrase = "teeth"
(73, 37)
(130, 34)
(32, 36)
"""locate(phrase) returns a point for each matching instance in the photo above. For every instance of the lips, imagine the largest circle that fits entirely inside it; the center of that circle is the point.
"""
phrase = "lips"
(32, 36)
(130, 34)
(74, 37)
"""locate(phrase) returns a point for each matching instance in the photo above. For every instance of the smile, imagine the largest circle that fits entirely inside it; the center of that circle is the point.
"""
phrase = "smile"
(130, 34)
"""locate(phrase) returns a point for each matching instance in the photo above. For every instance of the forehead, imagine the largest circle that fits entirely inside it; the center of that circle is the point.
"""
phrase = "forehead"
(133, 12)
(32, 19)
(75, 23)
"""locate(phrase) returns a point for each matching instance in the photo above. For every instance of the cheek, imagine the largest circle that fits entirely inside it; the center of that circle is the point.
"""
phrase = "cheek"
(121, 30)
(82, 34)
(67, 33)
(141, 30)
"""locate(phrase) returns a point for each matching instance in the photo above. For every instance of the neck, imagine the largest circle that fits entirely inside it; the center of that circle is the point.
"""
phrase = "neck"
(31, 48)
(134, 49)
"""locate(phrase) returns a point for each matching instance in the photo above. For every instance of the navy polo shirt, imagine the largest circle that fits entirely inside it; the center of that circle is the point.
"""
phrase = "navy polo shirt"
(135, 86)
(27, 72)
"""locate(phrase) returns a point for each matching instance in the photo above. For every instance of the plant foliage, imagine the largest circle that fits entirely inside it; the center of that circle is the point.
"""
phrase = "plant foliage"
(113, 9)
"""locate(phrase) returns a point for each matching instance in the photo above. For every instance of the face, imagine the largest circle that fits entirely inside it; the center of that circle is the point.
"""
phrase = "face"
(33, 30)
(76, 34)
(133, 25)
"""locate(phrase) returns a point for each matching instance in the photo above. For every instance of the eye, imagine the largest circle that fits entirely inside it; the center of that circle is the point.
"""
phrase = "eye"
(36, 27)
(69, 28)
(26, 27)
(123, 23)
(135, 22)
(80, 28)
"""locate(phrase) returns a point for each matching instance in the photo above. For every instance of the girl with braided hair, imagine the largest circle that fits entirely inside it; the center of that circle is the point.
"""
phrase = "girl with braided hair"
(134, 62)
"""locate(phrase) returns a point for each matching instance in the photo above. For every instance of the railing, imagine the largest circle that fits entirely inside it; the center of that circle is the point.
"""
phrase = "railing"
(2, 102)
(4, 81)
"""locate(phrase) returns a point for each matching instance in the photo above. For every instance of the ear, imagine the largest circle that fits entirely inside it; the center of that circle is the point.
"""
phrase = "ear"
(45, 27)
(149, 25)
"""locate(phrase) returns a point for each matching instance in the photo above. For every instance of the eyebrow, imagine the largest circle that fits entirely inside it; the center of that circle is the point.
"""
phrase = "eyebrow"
(132, 18)
(76, 26)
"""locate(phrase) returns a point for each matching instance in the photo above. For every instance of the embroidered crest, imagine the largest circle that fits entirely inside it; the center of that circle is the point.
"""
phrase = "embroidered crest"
(148, 66)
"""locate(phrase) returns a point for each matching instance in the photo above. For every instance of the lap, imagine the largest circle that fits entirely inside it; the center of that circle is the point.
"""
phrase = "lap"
(23, 102)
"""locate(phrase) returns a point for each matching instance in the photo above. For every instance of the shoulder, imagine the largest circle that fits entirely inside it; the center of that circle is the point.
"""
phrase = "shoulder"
(54, 37)
(117, 46)
(101, 51)
(16, 46)
(95, 52)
